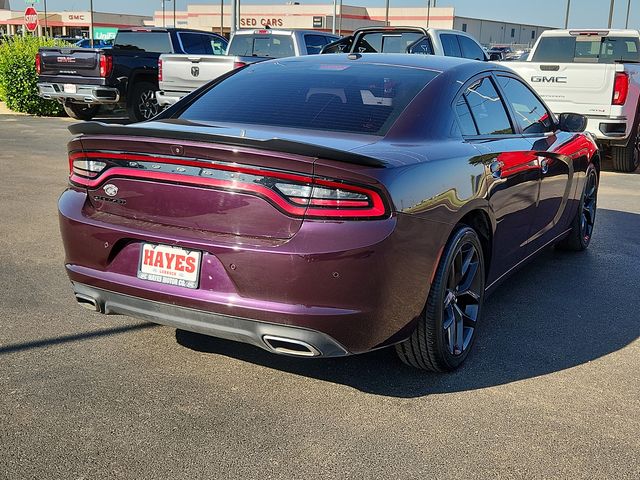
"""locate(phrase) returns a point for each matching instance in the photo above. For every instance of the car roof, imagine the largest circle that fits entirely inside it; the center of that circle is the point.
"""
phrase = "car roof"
(289, 31)
(432, 62)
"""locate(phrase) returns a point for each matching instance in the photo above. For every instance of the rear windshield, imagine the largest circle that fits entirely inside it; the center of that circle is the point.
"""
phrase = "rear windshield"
(262, 45)
(379, 42)
(357, 98)
(155, 42)
(587, 49)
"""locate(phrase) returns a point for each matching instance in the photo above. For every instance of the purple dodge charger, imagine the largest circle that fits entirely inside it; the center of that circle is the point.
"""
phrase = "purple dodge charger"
(328, 205)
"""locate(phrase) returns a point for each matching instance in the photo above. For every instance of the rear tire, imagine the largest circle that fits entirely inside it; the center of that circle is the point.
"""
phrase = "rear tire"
(142, 103)
(626, 159)
(447, 328)
(81, 111)
(584, 221)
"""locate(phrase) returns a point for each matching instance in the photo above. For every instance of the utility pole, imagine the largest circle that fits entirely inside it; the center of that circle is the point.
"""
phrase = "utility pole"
(626, 23)
(91, 27)
(174, 13)
(566, 17)
(46, 29)
(335, 14)
(428, 12)
(163, 24)
(221, 17)
(232, 23)
(386, 15)
(340, 21)
(613, 2)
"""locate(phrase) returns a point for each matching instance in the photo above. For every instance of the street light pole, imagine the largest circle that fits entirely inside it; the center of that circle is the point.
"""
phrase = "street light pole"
(428, 12)
(566, 17)
(386, 15)
(91, 27)
(46, 29)
(335, 14)
(221, 17)
(174, 13)
(613, 2)
(626, 23)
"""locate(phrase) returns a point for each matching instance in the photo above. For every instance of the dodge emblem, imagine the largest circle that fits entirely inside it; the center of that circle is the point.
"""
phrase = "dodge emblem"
(110, 189)
(195, 71)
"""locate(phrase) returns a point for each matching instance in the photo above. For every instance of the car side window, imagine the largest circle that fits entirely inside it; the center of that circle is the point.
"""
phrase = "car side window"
(218, 45)
(450, 45)
(467, 124)
(315, 43)
(530, 114)
(470, 49)
(192, 43)
(487, 108)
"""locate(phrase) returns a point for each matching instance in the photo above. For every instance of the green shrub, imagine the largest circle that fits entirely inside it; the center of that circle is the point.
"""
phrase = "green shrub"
(18, 78)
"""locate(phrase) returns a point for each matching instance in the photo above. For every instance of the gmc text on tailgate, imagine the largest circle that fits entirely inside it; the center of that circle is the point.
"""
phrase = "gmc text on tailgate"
(125, 76)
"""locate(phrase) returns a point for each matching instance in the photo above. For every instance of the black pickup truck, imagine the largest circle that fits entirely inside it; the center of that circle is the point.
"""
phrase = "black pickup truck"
(83, 79)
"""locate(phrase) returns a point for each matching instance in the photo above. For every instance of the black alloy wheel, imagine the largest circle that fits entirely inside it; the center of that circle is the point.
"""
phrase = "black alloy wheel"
(448, 326)
(583, 223)
(143, 104)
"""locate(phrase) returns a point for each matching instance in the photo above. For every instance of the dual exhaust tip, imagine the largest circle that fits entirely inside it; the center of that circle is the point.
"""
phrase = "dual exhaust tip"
(282, 345)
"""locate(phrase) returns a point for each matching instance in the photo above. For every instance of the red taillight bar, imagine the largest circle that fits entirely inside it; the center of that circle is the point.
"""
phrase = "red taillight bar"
(38, 63)
(106, 64)
(374, 207)
(159, 69)
(620, 89)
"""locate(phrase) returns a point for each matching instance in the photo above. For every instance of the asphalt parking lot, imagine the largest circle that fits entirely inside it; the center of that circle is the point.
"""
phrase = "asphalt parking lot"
(550, 391)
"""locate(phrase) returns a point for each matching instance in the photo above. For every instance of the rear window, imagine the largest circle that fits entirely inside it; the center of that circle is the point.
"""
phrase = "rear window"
(357, 98)
(386, 42)
(587, 49)
(258, 45)
(155, 42)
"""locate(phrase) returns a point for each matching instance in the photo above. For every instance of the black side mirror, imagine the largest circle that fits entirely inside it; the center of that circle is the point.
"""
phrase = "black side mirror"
(572, 122)
(495, 57)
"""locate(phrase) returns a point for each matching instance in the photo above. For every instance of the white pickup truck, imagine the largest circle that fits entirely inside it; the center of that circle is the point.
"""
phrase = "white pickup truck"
(178, 75)
(595, 73)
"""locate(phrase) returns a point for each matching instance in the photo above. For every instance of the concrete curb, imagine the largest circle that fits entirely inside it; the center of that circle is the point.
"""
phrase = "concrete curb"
(5, 111)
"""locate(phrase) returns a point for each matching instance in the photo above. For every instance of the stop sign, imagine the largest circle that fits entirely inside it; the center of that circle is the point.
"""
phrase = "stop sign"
(31, 19)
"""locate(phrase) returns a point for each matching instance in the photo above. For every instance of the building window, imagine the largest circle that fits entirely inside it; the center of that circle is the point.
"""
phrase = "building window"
(533, 34)
(464, 27)
(513, 32)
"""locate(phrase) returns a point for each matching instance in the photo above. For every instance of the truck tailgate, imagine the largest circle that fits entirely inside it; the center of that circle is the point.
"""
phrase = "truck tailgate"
(571, 87)
(70, 62)
(188, 72)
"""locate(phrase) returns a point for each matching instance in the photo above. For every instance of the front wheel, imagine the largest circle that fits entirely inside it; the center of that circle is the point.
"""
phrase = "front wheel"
(582, 225)
(142, 103)
(448, 325)
(81, 111)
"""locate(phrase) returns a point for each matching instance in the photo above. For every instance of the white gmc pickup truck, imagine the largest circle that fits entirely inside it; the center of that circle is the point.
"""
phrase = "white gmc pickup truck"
(595, 73)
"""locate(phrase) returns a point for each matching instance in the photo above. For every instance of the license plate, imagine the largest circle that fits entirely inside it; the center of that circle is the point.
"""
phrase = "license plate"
(169, 265)
(70, 88)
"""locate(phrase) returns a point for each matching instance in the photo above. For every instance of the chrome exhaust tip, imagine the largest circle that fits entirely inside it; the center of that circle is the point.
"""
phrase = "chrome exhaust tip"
(88, 303)
(289, 346)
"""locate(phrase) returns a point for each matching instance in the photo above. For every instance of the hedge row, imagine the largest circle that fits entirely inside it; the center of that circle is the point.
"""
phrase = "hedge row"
(18, 78)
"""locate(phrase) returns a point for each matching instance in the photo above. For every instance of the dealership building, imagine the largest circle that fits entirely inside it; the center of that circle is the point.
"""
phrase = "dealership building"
(212, 17)
(67, 23)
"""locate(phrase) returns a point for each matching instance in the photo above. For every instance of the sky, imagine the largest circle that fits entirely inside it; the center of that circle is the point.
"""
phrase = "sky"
(584, 13)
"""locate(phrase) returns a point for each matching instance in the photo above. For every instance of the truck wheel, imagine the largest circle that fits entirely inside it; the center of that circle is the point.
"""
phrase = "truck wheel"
(626, 159)
(142, 103)
(81, 111)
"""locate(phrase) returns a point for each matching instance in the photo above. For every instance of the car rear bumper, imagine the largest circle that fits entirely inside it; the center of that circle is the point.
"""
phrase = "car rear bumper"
(610, 131)
(361, 284)
(166, 98)
(280, 339)
(90, 94)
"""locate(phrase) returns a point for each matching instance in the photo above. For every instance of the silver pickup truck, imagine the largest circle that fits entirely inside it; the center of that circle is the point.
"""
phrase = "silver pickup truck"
(179, 75)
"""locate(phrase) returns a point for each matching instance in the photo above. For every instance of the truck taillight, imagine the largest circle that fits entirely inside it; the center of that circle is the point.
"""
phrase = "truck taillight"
(38, 63)
(620, 89)
(238, 64)
(106, 64)
(159, 70)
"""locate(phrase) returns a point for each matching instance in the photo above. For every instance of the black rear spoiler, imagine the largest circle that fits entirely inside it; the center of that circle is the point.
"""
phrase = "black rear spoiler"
(272, 144)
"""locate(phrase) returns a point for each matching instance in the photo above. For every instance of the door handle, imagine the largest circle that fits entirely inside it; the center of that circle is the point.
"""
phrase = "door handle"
(496, 168)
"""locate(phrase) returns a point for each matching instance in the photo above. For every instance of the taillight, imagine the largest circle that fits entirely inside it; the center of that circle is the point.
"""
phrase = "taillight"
(38, 63)
(159, 70)
(239, 64)
(620, 89)
(295, 194)
(106, 64)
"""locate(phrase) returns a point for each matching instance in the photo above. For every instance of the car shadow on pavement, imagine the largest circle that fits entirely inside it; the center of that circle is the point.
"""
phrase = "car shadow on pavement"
(561, 311)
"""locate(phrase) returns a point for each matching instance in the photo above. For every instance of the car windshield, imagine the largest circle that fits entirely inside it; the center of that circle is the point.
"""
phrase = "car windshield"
(262, 45)
(587, 49)
(356, 98)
